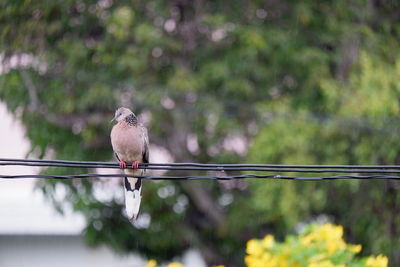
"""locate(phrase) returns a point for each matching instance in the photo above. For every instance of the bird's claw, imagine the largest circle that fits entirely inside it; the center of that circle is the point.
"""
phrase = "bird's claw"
(135, 164)
(122, 164)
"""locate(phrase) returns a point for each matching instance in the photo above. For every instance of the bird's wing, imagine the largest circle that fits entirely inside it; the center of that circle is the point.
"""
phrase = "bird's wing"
(145, 144)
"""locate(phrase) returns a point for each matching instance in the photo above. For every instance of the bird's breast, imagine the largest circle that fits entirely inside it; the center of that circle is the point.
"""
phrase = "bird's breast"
(127, 142)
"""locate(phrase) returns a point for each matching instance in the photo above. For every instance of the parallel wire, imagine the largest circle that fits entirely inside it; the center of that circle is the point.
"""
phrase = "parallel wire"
(375, 171)
(244, 176)
(219, 168)
(102, 164)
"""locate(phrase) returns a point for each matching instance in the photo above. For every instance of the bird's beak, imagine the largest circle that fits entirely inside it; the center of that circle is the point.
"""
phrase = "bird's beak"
(113, 119)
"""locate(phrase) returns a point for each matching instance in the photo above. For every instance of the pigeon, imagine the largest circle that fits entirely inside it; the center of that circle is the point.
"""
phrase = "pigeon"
(130, 143)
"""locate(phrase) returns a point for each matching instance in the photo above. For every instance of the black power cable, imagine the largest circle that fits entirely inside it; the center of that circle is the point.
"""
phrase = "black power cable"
(244, 176)
(376, 171)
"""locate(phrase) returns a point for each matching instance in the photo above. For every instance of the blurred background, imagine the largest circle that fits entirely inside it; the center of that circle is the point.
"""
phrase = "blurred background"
(292, 82)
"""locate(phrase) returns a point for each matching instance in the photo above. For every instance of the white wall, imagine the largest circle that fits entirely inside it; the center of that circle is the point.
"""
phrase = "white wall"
(60, 251)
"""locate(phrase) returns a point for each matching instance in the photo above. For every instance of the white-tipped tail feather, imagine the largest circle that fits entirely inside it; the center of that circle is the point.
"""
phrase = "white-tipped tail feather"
(133, 189)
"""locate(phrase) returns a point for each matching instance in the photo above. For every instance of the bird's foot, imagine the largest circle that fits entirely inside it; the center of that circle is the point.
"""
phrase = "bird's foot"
(135, 164)
(122, 164)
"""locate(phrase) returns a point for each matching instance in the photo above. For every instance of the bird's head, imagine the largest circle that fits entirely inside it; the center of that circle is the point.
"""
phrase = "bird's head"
(121, 114)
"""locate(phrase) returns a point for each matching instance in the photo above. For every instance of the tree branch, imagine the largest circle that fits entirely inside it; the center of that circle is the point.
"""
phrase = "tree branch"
(204, 202)
(32, 90)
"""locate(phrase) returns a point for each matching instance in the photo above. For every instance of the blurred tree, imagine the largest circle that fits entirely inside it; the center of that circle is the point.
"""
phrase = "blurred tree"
(312, 82)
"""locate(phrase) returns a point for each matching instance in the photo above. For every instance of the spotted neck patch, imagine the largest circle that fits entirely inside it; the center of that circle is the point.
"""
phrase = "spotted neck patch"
(131, 119)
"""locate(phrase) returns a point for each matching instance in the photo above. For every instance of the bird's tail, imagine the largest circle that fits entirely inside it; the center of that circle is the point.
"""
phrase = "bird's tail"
(133, 189)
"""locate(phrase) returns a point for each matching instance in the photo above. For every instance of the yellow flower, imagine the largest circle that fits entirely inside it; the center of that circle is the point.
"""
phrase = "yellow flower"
(322, 243)
(268, 241)
(282, 261)
(355, 248)
(335, 245)
(263, 260)
(252, 261)
(379, 261)
(254, 247)
(266, 257)
(325, 263)
(328, 236)
(219, 266)
(249, 260)
(329, 232)
(151, 263)
(175, 264)
(307, 239)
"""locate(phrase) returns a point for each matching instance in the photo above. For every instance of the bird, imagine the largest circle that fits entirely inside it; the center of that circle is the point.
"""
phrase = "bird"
(130, 142)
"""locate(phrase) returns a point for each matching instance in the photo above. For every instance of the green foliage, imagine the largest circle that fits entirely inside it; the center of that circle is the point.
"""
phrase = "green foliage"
(353, 136)
(295, 82)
